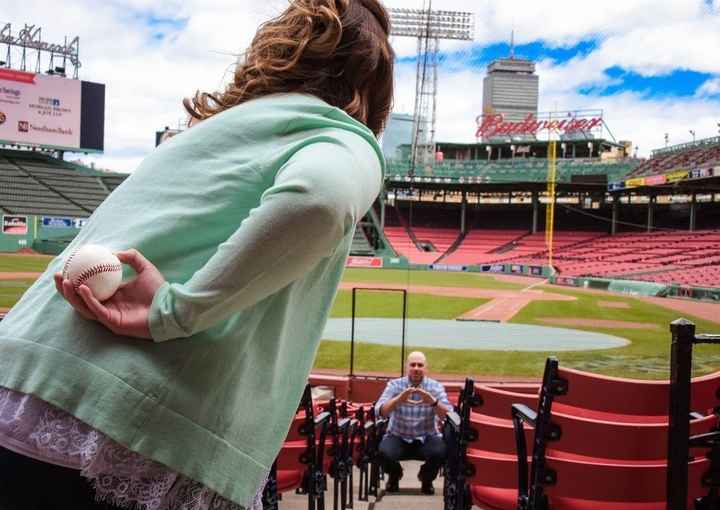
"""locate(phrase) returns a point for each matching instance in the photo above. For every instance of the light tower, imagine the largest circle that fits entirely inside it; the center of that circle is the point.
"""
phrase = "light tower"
(30, 48)
(428, 27)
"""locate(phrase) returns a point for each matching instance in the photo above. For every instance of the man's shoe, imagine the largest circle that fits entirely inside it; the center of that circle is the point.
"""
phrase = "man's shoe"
(427, 488)
(393, 483)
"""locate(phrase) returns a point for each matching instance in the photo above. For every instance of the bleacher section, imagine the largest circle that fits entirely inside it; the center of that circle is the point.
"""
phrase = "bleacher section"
(525, 247)
(34, 183)
(703, 154)
(689, 258)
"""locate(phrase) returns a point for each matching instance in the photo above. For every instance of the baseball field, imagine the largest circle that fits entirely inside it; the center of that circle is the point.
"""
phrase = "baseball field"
(642, 322)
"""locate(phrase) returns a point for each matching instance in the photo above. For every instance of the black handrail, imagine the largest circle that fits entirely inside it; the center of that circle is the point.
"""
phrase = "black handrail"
(680, 414)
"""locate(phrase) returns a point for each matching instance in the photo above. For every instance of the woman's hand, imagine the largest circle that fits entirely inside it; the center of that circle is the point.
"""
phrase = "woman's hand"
(125, 312)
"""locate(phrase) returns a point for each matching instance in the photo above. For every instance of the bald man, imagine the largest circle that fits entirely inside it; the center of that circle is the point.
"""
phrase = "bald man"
(415, 404)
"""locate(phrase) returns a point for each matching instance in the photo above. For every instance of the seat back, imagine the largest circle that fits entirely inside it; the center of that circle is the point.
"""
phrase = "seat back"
(599, 394)
(496, 402)
(616, 440)
(592, 442)
(592, 484)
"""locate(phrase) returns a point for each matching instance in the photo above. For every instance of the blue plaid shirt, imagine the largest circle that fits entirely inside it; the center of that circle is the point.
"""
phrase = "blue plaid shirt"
(409, 421)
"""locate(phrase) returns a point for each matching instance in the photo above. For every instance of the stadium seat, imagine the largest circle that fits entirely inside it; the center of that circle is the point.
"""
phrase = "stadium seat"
(601, 442)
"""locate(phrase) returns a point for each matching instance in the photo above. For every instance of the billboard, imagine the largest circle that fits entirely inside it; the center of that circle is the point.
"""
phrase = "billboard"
(51, 111)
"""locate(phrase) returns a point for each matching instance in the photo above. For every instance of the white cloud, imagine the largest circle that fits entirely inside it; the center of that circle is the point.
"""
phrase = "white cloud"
(710, 88)
(147, 78)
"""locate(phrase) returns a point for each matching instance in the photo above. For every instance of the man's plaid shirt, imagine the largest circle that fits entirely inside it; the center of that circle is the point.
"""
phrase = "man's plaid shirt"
(410, 421)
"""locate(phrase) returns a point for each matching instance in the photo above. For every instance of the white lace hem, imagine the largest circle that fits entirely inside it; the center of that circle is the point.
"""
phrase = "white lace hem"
(34, 428)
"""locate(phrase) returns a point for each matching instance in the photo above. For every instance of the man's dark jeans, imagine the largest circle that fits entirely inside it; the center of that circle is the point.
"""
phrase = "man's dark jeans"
(394, 449)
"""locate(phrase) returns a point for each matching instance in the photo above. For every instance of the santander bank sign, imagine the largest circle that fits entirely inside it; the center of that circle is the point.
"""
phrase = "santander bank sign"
(495, 125)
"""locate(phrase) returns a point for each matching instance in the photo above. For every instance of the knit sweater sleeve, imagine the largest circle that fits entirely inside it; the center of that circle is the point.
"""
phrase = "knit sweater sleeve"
(317, 197)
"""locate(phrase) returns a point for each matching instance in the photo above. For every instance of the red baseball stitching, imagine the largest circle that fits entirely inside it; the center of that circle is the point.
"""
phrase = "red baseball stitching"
(94, 270)
(67, 263)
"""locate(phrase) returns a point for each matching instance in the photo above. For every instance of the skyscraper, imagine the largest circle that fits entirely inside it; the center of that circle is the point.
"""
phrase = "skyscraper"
(511, 89)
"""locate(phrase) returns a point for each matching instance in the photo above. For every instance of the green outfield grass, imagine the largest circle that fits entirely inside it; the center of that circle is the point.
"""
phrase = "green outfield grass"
(434, 278)
(11, 290)
(389, 305)
(23, 263)
(645, 357)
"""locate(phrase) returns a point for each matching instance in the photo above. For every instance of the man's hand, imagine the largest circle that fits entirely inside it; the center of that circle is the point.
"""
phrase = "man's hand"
(125, 312)
(425, 397)
(407, 396)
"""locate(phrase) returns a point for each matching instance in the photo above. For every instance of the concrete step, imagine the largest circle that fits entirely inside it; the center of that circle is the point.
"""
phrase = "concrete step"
(409, 497)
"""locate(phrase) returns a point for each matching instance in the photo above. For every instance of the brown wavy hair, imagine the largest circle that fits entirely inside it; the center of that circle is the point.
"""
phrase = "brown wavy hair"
(337, 50)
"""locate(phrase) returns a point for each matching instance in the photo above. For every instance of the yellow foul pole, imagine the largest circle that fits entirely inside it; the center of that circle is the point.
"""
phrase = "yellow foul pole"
(550, 207)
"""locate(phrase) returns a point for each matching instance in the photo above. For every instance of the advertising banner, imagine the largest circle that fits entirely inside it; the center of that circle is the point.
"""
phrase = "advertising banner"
(15, 225)
(655, 180)
(678, 175)
(448, 267)
(55, 222)
(39, 109)
(633, 183)
(700, 173)
(364, 262)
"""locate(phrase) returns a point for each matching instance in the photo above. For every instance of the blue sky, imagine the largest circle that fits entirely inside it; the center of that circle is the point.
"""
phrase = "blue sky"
(679, 82)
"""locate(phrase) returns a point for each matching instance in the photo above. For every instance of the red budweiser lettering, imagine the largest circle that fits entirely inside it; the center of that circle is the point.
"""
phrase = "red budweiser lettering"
(19, 76)
(495, 125)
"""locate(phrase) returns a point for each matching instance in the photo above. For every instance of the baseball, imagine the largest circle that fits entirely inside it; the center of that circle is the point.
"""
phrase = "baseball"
(94, 266)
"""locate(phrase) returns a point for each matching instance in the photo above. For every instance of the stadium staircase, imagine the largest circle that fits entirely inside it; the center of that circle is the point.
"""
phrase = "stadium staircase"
(451, 249)
(360, 245)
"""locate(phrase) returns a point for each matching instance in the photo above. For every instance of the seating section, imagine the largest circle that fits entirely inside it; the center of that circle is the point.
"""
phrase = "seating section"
(517, 170)
(602, 441)
(669, 257)
(34, 183)
(576, 441)
(686, 258)
(703, 154)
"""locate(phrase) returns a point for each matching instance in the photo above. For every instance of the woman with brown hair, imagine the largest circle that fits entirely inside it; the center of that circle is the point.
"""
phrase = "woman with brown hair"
(178, 391)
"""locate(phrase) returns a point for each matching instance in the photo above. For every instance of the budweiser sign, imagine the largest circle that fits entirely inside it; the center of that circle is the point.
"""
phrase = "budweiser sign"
(495, 125)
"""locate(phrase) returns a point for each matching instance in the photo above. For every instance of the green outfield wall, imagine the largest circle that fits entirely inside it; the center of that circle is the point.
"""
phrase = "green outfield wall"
(44, 234)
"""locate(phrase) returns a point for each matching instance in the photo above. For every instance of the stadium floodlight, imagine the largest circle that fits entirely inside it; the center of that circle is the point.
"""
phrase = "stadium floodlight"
(29, 40)
(428, 26)
(434, 24)
(692, 132)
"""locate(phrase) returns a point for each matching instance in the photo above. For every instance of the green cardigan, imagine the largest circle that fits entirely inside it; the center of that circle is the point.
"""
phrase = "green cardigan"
(249, 215)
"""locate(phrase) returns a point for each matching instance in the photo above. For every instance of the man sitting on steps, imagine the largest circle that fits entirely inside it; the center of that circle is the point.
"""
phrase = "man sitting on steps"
(415, 405)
